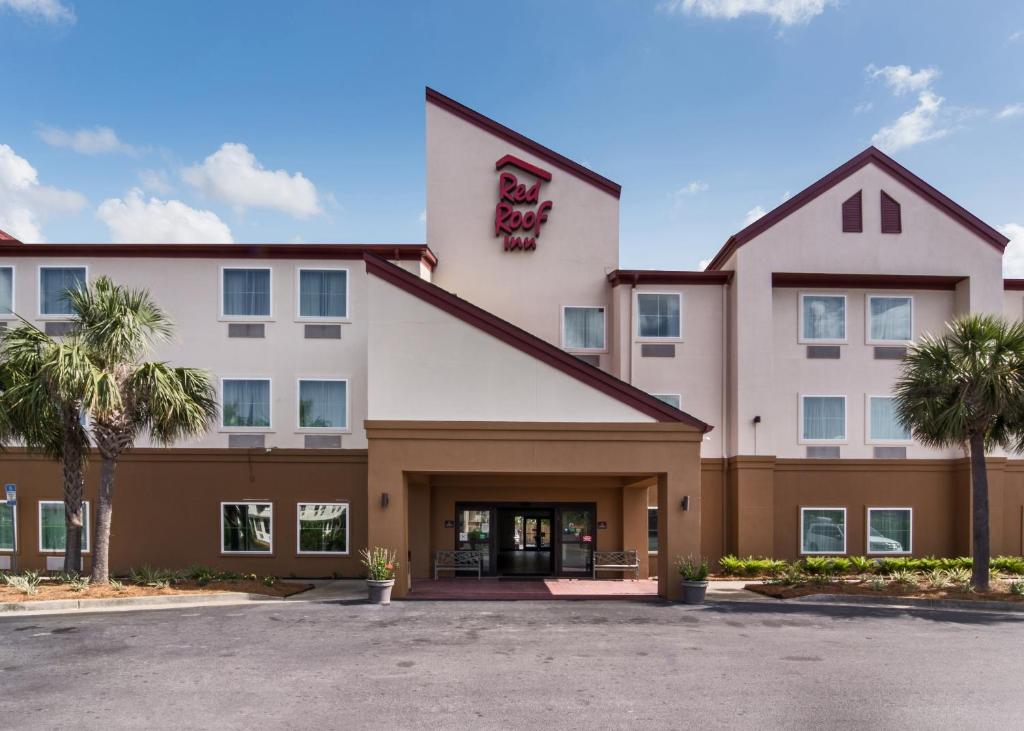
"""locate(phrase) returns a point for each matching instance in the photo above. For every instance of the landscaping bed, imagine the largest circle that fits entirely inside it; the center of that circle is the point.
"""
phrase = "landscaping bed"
(863, 588)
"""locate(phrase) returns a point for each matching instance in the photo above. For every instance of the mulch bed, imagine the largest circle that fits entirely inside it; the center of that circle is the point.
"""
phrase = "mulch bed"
(890, 590)
(48, 590)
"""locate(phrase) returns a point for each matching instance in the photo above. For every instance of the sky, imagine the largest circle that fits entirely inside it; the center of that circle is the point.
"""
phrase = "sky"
(304, 121)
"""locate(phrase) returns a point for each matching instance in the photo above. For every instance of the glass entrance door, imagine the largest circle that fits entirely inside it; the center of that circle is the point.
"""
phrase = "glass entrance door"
(473, 533)
(577, 540)
(524, 542)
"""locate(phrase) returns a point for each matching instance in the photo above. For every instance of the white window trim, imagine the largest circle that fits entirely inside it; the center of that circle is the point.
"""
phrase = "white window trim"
(636, 317)
(87, 525)
(823, 341)
(39, 289)
(846, 533)
(867, 319)
(246, 429)
(299, 317)
(4, 316)
(244, 318)
(298, 528)
(677, 395)
(220, 517)
(604, 330)
(867, 533)
(800, 419)
(299, 429)
(14, 518)
(868, 439)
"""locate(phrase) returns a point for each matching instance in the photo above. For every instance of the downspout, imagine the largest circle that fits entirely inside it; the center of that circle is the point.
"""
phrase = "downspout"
(629, 328)
(725, 417)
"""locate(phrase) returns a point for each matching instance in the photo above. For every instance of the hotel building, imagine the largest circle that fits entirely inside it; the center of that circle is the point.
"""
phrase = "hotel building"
(506, 387)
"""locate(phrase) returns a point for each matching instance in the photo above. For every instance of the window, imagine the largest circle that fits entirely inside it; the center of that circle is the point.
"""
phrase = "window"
(246, 527)
(6, 291)
(672, 399)
(883, 426)
(323, 293)
(323, 404)
(658, 315)
(323, 528)
(246, 293)
(54, 283)
(583, 328)
(889, 530)
(7, 528)
(822, 530)
(246, 403)
(823, 317)
(890, 319)
(652, 530)
(823, 418)
(53, 531)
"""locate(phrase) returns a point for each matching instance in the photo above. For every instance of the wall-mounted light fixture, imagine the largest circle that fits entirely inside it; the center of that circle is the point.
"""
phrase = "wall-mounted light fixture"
(685, 504)
(757, 419)
(384, 499)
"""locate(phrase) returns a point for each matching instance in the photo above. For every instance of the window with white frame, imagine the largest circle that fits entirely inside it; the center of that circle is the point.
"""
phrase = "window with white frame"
(889, 530)
(890, 319)
(823, 317)
(6, 291)
(672, 399)
(54, 284)
(247, 527)
(823, 418)
(583, 328)
(245, 403)
(53, 530)
(7, 526)
(323, 294)
(883, 423)
(822, 530)
(323, 528)
(658, 315)
(323, 404)
(246, 292)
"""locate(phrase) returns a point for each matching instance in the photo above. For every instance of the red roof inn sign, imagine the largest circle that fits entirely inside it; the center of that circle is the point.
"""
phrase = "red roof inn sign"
(520, 228)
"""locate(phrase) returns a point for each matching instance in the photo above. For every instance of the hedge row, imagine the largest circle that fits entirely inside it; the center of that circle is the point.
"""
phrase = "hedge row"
(836, 565)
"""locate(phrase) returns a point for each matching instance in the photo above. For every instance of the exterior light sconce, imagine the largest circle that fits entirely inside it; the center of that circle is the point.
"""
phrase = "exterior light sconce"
(384, 499)
(757, 419)
(685, 504)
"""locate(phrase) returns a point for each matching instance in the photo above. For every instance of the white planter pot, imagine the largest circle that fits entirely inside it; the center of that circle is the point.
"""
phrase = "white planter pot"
(380, 591)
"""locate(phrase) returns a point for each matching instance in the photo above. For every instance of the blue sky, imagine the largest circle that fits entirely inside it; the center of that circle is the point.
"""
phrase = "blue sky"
(304, 121)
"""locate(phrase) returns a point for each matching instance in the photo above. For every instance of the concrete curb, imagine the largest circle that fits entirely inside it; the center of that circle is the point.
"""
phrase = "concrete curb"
(127, 603)
(907, 603)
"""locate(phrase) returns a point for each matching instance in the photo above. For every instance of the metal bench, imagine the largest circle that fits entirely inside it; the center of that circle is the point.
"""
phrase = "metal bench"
(456, 561)
(616, 561)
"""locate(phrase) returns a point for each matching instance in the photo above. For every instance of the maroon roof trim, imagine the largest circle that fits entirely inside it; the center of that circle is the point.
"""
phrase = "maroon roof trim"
(1013, 284)
(510, 135)
(4, 236)
(657, 276)
(865, 281)
(403, 252)
(529, 344)
(886, 164)
(523, 165)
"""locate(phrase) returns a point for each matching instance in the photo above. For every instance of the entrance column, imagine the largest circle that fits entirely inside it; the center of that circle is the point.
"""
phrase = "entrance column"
(678, 526)
(634, 524)
(388, 517)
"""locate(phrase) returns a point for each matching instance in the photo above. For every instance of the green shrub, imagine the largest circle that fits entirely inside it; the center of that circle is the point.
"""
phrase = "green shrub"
(963, 562)
(960, 578)
(817, 565)
(116, 585)
(731, 565)
(689, 568)
(938, 579)
(862, 564)
(1008, 564)
(904, 577)
(1017, 588)
(146, 575)
(878, 583)
(926, 564)
(269, 580)
(27, 583)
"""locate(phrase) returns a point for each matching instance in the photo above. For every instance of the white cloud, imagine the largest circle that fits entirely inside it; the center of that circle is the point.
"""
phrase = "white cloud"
(1011, 110)
(864, 108)
(24, 203)
(1017, 36)
(133, 219)
(703, 264)
(234, 175)
(423, 216)
(1013, 257)
(155, 181)
(753, 214)
(49, 11)
(903, 79)
(692, 188)
(96, 141)
(786, 12)
(920, 124)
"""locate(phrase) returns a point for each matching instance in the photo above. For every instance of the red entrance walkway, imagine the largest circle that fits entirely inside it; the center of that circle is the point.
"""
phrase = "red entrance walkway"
(495, 589)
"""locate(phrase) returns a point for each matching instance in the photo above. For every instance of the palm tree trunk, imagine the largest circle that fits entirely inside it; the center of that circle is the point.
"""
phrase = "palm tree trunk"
(74, 486)
(104, 516)
(979, 513)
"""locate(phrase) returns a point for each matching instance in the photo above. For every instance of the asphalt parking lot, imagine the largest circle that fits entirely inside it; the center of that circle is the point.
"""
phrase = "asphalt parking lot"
(463, 665)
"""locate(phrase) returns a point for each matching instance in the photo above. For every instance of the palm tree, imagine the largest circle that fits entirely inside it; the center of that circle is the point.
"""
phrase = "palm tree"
(45, 385)
(118, 327)
(965, 388)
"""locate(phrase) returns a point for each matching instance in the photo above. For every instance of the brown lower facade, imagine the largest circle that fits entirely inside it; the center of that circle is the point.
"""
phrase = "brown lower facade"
(537, 498)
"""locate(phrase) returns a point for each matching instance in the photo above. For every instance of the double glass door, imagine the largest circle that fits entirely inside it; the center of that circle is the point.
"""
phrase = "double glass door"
(528, 540)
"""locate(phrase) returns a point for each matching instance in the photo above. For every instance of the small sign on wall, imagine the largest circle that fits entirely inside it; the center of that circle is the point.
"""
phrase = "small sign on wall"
(602, 525)
(449, 524)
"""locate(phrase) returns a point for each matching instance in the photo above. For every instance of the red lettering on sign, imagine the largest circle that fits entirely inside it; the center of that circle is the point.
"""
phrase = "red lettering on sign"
(508, 219)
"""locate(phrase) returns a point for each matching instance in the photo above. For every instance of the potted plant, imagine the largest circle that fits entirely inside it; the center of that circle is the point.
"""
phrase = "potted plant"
(380, 566)
(694, 572)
